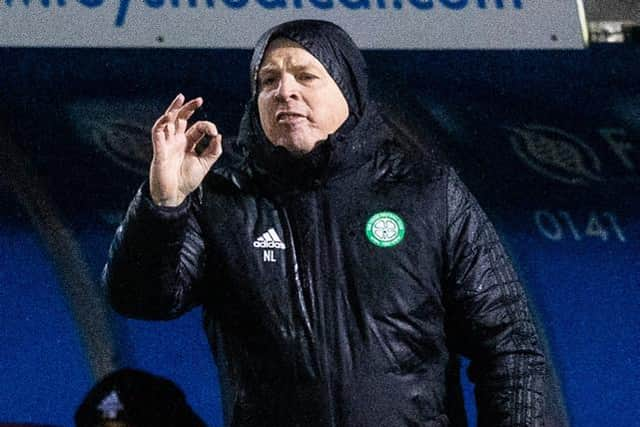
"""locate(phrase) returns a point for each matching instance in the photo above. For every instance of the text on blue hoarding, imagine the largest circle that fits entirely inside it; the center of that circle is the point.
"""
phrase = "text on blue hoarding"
(123, 7)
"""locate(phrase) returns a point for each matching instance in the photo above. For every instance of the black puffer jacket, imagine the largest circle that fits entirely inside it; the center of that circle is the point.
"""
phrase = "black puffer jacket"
(319, 312)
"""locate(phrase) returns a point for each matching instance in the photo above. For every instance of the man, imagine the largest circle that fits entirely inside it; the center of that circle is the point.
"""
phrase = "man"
(340, 265)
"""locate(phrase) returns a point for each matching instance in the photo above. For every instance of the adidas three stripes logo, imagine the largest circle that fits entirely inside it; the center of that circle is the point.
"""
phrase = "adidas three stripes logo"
(269, 240)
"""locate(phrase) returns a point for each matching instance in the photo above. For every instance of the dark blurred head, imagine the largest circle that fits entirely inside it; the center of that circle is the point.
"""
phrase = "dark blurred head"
(132, 398)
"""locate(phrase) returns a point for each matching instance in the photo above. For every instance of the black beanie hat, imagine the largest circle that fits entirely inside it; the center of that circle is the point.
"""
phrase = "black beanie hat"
(137, 398)
(330, 45)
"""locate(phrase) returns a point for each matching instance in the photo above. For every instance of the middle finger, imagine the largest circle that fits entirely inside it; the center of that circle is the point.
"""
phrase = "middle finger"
(176, 103)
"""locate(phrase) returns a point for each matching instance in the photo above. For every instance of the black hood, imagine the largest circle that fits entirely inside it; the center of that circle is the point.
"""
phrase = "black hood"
(350, 145)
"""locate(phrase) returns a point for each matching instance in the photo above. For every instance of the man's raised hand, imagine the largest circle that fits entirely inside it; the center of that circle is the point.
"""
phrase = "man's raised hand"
(176, 169)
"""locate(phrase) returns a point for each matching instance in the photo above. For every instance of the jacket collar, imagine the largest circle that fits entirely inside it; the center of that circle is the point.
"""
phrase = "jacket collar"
(349, 148)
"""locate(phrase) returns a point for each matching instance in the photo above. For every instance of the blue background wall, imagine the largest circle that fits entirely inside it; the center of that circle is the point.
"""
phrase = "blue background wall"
(524, 128)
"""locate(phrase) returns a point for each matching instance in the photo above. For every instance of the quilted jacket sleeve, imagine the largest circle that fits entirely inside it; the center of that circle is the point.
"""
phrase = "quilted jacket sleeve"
(490, 318)
(155, 260)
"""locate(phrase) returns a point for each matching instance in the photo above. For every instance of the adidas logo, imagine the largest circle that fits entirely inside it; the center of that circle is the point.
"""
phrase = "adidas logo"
(269, 240)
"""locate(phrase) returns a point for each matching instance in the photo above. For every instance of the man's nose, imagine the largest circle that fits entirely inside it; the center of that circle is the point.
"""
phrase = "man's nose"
(287, 88)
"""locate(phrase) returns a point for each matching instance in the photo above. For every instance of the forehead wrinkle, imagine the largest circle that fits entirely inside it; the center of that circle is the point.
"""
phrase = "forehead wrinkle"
(298, 59)
(290, 63)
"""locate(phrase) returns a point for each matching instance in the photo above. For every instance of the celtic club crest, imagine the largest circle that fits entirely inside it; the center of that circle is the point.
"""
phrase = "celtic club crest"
(385, 229)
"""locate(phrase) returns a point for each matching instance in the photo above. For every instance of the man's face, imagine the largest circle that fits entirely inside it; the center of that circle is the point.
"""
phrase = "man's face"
(298, 101)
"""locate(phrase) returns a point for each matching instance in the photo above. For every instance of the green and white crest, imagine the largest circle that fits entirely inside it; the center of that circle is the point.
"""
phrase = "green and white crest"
(385, 229)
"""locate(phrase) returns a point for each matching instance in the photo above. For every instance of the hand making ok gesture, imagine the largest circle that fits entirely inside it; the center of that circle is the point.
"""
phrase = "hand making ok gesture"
(177, 169)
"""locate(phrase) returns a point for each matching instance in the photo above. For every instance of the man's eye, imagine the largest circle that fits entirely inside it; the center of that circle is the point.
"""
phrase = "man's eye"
(306, 77)
(267, 81)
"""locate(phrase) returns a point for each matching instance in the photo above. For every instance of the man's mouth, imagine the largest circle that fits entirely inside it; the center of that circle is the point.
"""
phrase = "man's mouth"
(288, 116)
